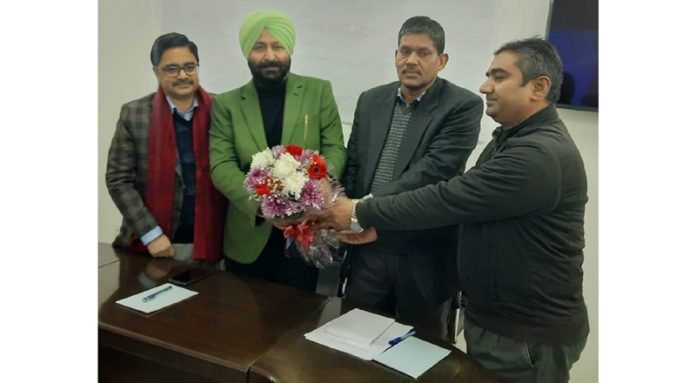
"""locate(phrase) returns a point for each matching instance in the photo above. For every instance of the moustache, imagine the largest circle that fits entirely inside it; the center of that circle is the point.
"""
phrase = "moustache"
(407, 70)
(182, 82)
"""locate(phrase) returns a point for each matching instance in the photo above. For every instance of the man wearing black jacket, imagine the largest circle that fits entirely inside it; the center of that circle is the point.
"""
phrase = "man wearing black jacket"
(407, 134)
(520, 212)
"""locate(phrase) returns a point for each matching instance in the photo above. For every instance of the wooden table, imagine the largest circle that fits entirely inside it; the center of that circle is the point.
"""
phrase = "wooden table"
(235, 330)
(295, 359)
(213, 337)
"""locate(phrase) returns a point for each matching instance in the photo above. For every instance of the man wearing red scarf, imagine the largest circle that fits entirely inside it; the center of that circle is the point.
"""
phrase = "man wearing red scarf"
(158, 172)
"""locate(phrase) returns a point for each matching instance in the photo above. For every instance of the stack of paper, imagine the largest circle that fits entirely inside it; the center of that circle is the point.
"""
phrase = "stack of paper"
(159, 297)
(359, 333)
(412, 356)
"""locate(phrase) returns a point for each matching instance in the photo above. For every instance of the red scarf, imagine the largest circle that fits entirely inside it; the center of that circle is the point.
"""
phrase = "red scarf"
(211, 206)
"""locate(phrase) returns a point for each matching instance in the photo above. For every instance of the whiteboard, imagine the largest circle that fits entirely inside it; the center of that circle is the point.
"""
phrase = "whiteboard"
(350, 43)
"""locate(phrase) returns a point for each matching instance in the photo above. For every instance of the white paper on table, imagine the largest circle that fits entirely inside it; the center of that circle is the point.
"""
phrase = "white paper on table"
(412, 356)
(166, 298)
(349, 345)
(359, 327)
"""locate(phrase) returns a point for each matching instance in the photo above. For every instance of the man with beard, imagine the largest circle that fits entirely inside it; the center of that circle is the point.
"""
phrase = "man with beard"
(158, 171)
(408, 134)
(275, 108)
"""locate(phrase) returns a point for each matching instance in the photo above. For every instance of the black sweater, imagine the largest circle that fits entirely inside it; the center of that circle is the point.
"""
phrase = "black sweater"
(521, 215)
(272, 104)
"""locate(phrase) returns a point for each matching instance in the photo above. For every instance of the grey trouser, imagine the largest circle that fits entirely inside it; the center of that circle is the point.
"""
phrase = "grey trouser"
(521, 362)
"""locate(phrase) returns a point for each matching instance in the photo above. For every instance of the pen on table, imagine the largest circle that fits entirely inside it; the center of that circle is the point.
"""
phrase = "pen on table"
(156, 293)
(400, 338)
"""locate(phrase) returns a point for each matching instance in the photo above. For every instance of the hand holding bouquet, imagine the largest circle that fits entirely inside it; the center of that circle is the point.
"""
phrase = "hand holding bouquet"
(288, 182)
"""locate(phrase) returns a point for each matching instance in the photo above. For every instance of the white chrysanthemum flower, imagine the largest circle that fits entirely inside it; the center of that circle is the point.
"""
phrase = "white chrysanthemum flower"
(294, 183)
(285, 166)
(262, 159)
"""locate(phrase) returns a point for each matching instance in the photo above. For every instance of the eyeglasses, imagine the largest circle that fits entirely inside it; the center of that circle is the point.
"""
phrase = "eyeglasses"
(173, 69)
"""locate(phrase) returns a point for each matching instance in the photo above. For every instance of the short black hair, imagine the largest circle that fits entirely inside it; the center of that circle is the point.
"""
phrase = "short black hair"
(170, 40)
(424, 24)
(538, 57)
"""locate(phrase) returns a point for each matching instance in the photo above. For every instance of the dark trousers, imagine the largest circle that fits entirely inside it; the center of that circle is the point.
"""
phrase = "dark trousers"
(386, 282)
(272, 265)
(518, 361)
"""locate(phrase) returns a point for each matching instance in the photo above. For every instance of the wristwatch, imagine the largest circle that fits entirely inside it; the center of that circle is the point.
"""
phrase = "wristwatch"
(354, 224)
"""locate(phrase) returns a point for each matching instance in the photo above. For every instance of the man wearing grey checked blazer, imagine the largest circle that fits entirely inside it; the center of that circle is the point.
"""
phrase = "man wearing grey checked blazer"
(158, 169)
(405, 135)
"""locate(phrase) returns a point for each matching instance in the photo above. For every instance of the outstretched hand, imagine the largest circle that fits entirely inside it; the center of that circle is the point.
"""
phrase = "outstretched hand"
(337, 216)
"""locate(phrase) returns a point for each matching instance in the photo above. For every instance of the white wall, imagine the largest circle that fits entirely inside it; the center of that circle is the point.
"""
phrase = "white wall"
(367, 40)
(351, 43)
(583, 128)
(127, 29)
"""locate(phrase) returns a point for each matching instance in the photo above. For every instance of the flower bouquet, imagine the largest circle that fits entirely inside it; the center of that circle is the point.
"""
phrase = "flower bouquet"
(287, 182)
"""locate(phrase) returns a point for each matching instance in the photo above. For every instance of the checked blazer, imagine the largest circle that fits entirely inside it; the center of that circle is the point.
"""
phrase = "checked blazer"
(126, 171)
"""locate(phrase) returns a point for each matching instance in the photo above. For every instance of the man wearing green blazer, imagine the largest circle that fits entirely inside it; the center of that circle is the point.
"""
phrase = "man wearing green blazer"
(274, 108)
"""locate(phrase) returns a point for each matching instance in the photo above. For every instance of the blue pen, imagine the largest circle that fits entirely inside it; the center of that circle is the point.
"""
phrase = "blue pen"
(156, 293)
(401, 338)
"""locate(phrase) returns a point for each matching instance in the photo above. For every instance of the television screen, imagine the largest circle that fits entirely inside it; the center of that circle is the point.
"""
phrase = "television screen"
(573, 29)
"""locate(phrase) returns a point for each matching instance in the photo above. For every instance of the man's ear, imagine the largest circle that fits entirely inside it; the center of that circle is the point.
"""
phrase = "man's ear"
(444, 58)
(540, 88)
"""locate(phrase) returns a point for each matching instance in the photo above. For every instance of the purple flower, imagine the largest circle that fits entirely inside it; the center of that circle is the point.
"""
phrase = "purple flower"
(278, 150)
(253, 178)
(311, 196)
(306, 156)
(278, 207)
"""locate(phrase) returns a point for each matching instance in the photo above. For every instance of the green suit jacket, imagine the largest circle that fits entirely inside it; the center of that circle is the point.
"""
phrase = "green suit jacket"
(310, 119)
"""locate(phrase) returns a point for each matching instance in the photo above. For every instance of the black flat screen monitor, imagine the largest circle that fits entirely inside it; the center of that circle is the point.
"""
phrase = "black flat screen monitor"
(572, 28)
